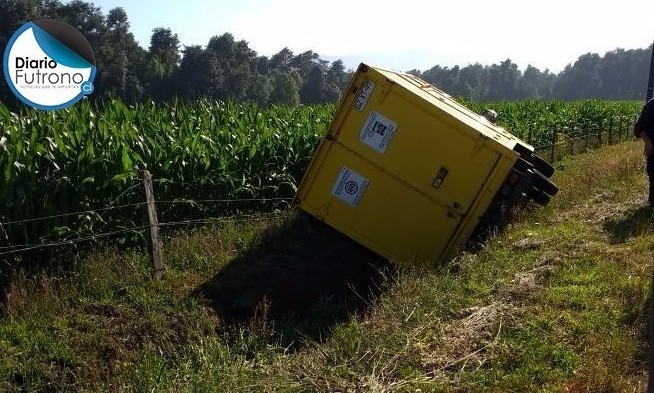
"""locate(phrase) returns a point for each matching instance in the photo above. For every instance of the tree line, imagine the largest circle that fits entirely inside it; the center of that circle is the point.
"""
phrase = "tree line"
(227, 68)
(618, 75)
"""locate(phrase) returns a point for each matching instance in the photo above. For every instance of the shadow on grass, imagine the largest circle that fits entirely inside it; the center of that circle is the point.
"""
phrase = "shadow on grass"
(632, 224)
(303, 275)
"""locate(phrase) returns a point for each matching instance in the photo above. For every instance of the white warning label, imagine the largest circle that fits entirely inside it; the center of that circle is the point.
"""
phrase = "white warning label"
(378, 131)
(366, 91)
(349, 186)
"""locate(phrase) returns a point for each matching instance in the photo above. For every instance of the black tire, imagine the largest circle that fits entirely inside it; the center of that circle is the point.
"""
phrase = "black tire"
(523, 150)
(542, 183)
(541, 198)
(523, 165)
(541, 165)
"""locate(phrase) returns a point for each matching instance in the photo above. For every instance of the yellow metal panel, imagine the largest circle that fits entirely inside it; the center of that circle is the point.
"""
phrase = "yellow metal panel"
(484, 198)
(414, 140)
(380, 212)
(451, 108)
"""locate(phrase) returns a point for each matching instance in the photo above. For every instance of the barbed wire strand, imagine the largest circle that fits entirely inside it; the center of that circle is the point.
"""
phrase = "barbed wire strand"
(70, 214)
(189, 201)
(223, 200)
(27, 247)
(244, 218)
(126, 191)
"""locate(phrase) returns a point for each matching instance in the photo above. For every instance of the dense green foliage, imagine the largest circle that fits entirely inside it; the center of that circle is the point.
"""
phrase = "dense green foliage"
(618, 75)
(84, 158)
(537, 121)
(227, 68)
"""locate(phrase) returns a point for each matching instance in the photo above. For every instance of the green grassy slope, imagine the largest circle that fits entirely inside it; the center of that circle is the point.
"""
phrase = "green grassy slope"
(555, 303)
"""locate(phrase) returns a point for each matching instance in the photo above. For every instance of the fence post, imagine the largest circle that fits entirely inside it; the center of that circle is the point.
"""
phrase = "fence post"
(553, 145)
(611, 130)
(599, 133)
(154, 244)
(626, 128)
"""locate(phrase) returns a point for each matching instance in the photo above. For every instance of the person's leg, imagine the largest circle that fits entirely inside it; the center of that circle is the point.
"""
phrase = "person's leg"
(650, 174)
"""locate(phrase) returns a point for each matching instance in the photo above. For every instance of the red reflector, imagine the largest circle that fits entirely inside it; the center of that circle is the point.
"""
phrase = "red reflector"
(513, 178)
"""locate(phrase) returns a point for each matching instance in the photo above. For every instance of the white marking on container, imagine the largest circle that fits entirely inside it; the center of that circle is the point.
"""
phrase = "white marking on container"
(378, 131)
(366, 91)
(349, 186)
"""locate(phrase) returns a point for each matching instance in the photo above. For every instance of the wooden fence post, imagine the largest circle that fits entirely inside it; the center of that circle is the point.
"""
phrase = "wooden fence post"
(154, 244)
(611, 130)
(553, 146)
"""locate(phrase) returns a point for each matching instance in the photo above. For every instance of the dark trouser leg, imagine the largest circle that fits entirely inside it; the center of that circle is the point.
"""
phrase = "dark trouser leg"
(650, 174)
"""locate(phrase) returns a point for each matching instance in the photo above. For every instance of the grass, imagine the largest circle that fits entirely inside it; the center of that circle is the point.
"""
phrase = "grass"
(555, 303)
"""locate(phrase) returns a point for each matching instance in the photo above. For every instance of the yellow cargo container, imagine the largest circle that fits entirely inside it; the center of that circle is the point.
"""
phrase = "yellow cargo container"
(404, 169)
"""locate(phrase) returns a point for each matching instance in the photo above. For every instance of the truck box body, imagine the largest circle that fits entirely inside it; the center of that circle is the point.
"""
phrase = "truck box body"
(404, 169)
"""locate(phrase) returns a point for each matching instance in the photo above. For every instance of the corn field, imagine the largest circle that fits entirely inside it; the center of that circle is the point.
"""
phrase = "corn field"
(84, 158)
(537, 121)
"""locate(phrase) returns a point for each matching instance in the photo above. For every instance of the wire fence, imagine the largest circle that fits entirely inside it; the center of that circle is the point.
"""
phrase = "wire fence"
(140, 231)
(17, 248)
(188, 212)
(580, 138)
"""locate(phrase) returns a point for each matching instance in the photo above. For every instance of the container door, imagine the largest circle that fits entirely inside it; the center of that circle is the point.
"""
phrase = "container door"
(379, 211)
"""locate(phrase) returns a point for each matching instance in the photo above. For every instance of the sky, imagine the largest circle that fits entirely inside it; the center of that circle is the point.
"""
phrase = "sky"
(406, 34)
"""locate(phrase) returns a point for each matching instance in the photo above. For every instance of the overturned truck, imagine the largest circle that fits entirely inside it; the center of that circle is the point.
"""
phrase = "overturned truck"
(410, 173)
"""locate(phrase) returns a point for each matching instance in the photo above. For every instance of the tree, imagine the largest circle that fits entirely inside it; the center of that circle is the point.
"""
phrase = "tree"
(163, 60)
(313, 90)
(503, 81)
(529, 85)
(472, 82)
(337, 80)
(123, 60)
(259, 89)
(305, 62)
(285, 89)
(580, 80)
(281, 61)
(163, 52)
(194, 76)
(238, 65)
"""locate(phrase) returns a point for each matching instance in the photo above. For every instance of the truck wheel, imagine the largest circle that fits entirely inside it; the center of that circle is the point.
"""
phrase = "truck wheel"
(539, 164)
(542, 183)
(542, 166)
(523, 165)
(523, 150)
(541, 198)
